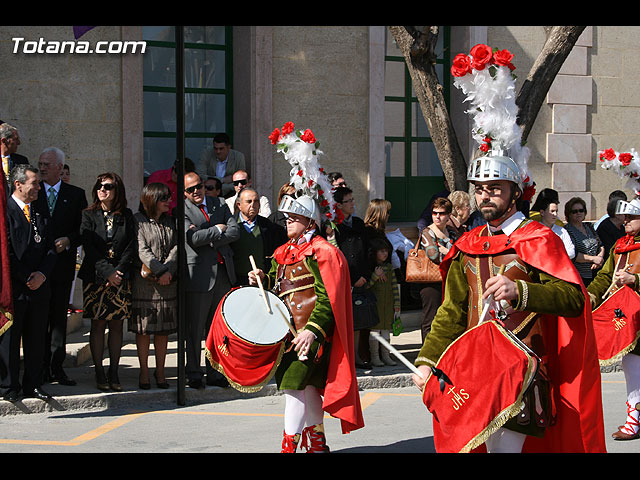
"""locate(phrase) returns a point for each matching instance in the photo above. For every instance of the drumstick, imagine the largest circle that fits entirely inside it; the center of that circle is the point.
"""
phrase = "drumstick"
(613, 282)
(264, 295)
(489, 299)
(401, 357)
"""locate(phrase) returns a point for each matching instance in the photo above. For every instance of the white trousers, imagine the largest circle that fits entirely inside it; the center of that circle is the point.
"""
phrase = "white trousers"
(302, 407)
(505, 441)
(631, 369)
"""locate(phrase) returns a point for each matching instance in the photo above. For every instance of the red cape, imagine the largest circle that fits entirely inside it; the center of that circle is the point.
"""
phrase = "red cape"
(626, 244)
(573, 361)
(341, 396)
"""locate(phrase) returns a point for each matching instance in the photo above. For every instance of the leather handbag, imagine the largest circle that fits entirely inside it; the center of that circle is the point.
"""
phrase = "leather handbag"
(365, 310)
(145, 272)
(420, 269)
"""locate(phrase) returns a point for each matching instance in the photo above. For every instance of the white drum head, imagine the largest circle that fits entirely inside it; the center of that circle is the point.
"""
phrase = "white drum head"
(245, 313)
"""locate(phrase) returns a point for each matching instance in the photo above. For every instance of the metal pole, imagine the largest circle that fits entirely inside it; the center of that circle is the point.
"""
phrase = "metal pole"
(180, 210)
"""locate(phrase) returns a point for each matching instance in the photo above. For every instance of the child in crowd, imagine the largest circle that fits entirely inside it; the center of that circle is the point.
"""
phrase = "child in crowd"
(384, 284)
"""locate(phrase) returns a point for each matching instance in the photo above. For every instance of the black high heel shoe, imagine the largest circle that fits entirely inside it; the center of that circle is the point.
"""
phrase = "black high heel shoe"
(144, 386)
(114, 382)
(101, 380)
(164, 384)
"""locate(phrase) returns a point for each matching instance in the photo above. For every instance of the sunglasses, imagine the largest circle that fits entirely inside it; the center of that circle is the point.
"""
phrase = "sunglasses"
(211, 187)
(239, 182)
(107, 186)
(164, 198)
(435, 214)
(194, 188)
(580, 210)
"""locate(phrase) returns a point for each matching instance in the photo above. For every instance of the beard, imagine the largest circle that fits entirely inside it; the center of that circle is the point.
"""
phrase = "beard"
(491, 214)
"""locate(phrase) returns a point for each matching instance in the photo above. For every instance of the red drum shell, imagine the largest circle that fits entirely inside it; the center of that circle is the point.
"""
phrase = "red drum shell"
(245, 354)
(616, 324)
(489, 372)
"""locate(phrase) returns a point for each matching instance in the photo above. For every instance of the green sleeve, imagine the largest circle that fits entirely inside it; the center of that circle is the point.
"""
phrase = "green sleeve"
(543, 294)
(321, 320)
(549, 295)
(450, 320)
(602, 282)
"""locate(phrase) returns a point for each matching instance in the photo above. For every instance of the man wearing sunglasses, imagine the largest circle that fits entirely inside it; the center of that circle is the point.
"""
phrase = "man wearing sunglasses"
(210, 228)
(242, 180)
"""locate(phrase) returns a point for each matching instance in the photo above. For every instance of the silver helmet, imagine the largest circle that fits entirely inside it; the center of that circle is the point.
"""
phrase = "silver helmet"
(494, 166)
(628, 208)
(303, 205)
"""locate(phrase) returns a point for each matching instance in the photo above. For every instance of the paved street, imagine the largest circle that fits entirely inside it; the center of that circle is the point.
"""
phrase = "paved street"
(396, 422)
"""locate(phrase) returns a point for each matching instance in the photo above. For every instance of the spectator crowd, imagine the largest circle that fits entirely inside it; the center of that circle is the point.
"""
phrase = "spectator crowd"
(130, 260)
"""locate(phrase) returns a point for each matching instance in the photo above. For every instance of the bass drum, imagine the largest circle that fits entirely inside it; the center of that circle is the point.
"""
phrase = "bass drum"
(246, 342)
(245, 313)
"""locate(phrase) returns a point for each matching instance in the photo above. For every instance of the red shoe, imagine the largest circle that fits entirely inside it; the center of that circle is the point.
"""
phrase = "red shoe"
(314, 440)
(289, 443)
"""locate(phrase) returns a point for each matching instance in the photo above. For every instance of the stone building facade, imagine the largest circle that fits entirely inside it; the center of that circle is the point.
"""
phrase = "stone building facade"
(327, 78)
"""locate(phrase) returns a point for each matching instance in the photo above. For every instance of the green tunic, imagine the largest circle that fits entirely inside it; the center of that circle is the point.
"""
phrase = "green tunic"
(546, 295)
(293, 374)
(602, 282)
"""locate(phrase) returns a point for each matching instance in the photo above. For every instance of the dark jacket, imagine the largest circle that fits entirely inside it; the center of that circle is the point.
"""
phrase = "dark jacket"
(65, 222)
(25, 254)
(97, 264)
(353, 242)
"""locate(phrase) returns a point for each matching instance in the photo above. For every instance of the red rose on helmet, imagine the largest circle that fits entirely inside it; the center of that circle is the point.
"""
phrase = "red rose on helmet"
(482, 56)
(275, 135)
(503, 58)
(461, 65)
(287, 128)
(625, 158)
(608, 154)
(308, 136)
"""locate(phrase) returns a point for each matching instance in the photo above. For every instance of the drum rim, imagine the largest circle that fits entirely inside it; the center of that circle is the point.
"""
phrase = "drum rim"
(251, 342)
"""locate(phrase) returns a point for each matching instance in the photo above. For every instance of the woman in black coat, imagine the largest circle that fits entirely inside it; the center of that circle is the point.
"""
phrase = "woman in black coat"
(109, 244)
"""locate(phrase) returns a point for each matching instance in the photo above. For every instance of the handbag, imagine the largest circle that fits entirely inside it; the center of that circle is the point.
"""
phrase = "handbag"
(365, 310)
(420, 269)
(145, 272)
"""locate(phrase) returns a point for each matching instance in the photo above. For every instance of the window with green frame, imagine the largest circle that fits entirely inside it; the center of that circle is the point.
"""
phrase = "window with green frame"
(413, 171)
(208, 92)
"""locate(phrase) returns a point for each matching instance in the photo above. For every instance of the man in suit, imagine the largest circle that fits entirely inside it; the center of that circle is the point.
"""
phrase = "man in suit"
(241, 180)
(64, 203)
(209, 228)
(9, 143)
(221, 161)
(259, 236)
(32, 258)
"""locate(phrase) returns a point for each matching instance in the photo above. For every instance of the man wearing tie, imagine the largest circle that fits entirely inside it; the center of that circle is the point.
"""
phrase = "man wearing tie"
(9, 142)
(32, 258)
(63, 203)
(209, 228)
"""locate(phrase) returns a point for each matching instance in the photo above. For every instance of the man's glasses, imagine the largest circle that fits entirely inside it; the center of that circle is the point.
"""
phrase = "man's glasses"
(210, 187)
(240, 182)
(194, 188)
(107, 186)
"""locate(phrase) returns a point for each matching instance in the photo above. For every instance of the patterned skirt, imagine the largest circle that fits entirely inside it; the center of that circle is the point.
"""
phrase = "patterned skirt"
(154, 307)
(104, 302)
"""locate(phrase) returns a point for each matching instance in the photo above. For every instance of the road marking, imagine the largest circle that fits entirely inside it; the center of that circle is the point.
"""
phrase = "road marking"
(366, 401)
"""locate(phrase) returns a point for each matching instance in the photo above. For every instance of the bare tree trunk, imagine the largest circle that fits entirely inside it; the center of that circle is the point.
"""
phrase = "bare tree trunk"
(418, 45)
(418, 48)
(560, 42)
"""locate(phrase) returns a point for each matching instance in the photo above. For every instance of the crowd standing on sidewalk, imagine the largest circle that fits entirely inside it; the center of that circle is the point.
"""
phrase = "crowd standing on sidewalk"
(129, 268)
